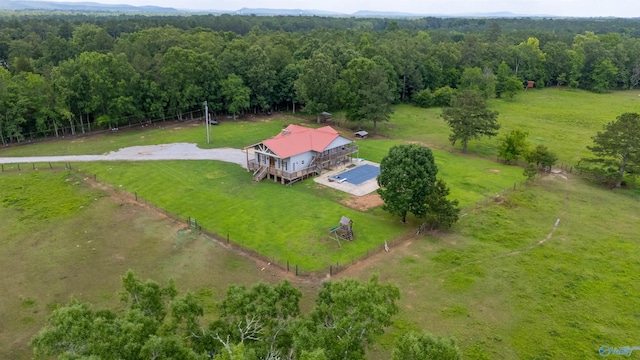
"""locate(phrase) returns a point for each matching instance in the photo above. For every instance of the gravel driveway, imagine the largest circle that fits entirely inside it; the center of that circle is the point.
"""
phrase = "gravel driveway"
(177, 151)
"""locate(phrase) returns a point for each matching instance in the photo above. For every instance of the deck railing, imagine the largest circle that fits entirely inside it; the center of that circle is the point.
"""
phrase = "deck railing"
(321, 162)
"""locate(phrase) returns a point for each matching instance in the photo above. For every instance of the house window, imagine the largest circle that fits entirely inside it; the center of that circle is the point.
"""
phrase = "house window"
(302, 162)
(284, 163)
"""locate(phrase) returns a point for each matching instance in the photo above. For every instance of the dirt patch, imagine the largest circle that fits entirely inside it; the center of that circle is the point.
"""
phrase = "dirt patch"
(494, 171)
(559, 173)
(363, 203)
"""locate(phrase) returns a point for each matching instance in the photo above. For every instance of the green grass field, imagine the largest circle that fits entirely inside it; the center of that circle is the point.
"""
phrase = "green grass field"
(60, 239)
(285, 223)
(504, 282)
(563, 120)
(502, 294)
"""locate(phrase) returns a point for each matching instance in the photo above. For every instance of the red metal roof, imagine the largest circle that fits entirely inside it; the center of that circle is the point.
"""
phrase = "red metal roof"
(295, 139)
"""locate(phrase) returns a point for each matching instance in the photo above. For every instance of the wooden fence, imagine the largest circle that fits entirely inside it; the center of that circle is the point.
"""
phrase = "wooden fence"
(227, 241)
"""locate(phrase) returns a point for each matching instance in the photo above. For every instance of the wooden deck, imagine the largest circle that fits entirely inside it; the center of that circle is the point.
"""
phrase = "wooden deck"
(261, 171)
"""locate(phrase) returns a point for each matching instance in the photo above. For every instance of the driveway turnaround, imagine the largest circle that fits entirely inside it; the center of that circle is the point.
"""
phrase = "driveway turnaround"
(177, 151)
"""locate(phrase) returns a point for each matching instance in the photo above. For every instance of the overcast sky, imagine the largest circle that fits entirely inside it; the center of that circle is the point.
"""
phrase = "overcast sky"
(617, 8)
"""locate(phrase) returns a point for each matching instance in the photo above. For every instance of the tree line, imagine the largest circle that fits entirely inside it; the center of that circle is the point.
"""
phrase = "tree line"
(259, 322)
(63, 74)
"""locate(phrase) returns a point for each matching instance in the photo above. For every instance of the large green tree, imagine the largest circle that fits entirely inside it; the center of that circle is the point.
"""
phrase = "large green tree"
(235, 94)
(5, 85)
(407, 176)
(507, 84)
(513, 146)
(315, 85)
(366, 92)
(347, 316)
(259, 317)
(441, 213)
(604, 76)
(77, 331)
(188, 78)
(469, 118)
(541, 157)
(260, 322)
(476, 79)
(414, 346)
(617, 148)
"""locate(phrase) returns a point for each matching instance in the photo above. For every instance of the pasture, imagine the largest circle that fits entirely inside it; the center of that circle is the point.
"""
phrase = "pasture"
(505, 282)
(285, 223)
(564, 120)
(508, 284)
(61, 239)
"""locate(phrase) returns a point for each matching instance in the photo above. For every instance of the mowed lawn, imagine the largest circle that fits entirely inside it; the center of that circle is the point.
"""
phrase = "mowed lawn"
(285, 223)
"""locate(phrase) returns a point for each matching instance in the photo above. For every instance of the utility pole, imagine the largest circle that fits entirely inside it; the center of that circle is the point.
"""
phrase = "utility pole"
(206, 119)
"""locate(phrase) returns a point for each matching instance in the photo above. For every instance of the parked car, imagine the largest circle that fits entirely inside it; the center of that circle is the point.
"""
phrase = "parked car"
(214, 121)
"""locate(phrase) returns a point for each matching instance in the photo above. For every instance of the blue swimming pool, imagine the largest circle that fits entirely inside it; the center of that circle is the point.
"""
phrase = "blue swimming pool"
(360, 174)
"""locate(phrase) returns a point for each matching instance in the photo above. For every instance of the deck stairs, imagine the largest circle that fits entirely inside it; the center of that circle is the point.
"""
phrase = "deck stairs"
(260, 173)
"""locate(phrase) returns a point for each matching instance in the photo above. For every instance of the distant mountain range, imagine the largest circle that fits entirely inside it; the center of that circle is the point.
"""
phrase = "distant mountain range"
(22, 5)
(28, 5)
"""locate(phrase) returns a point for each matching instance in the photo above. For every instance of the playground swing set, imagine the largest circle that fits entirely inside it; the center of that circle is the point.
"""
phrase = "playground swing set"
(343, 231)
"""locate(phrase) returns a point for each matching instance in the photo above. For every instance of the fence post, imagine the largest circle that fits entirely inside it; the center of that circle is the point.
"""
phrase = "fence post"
(287, 265)
(2, 167)
(296, 270)
(18, 167)
(136, 194)
(95, 177)
(228, 242)
(50, 167)
(34, 165)
(330, 270)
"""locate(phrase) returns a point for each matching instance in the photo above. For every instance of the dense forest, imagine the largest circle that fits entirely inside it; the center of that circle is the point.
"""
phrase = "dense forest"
(64, 74)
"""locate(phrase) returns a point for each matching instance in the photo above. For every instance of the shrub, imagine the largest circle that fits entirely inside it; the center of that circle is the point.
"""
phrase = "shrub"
(423, 98)
(443, 96)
